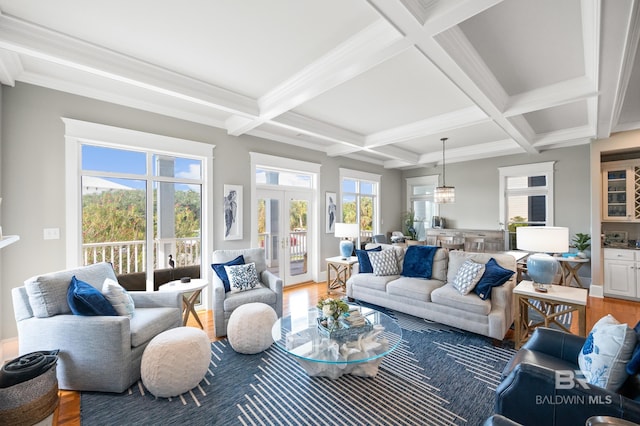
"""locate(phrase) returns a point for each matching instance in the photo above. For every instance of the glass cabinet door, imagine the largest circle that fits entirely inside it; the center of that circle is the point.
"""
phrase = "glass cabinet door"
(616, 193)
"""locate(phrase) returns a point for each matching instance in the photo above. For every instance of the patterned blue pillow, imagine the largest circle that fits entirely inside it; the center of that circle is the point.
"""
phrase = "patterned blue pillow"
(85, 299)
(364, 264)
(384, 262)
(242, 277)
(222, 274)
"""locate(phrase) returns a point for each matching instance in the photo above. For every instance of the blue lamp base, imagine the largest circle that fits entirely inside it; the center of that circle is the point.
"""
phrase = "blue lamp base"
(542, 268)
(346, 248)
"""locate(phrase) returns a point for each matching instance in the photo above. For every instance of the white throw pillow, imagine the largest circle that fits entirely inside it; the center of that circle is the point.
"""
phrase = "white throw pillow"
(384, 262)
(468, 276)
(606, 352)
(118, 297)
(242, 277)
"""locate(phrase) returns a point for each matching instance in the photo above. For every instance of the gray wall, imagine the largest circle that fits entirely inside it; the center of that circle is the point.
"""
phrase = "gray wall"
(33, 188)
(477, 197)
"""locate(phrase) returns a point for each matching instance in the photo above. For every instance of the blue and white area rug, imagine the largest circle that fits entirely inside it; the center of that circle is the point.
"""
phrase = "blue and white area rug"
(437, 376)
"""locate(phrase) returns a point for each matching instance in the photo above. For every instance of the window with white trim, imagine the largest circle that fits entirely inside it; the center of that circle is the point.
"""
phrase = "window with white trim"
(359, 201)
(526, 197)
(420, 204)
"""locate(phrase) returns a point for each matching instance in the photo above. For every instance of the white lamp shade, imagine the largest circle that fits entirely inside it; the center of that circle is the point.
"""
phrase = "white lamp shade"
(545, 239)
(346, 230)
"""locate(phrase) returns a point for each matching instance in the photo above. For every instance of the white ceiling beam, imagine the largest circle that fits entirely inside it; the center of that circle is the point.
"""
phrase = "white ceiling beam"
(373, 45)
(444, 14)
(550, 96)
(38, 42)
(10, 67)
(619, 44)
(473, 152)
(558, 136)
(318, 129)
(395, 153)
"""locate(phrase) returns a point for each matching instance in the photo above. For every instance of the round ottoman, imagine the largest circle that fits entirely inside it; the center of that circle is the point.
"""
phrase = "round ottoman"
(175, 361)
(249, 328)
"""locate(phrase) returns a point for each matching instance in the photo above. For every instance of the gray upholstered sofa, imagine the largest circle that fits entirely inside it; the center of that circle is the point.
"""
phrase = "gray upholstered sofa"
(270, 291)
(436, 299)
(97, 353)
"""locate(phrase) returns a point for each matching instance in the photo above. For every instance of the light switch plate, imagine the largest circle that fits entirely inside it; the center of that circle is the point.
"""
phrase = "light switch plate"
(51, 233)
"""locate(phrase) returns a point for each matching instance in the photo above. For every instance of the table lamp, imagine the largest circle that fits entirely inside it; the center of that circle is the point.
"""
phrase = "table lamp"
(541, 267)
(346, 231)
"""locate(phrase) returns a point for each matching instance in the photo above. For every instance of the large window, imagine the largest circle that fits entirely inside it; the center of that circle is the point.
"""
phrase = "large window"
(420, 205)
(527, 197)
(138, 205)
(359, 201)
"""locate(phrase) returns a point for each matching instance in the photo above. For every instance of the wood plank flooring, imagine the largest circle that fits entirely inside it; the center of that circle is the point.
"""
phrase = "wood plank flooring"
(68, 412)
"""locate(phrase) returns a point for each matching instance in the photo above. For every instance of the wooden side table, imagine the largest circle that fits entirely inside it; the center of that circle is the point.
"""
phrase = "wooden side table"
(570, 267)
(558, 300)
(195, 287)
(342, 269)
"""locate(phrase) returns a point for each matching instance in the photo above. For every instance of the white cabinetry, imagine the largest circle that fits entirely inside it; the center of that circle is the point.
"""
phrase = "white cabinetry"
(622, 273)
(621, 191)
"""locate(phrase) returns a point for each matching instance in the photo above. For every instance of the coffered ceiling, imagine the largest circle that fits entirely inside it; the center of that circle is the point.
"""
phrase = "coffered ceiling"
(378, 80)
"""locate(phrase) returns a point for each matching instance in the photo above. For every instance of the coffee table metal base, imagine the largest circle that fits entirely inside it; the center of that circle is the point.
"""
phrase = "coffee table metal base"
(333, 371)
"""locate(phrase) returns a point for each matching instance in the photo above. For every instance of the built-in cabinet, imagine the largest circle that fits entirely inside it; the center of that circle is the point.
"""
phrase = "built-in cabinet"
(621, 191)
(622, 273)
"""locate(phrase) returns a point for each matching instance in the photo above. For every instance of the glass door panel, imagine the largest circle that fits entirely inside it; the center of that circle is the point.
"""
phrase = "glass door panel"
(298, 211)
(269, 205)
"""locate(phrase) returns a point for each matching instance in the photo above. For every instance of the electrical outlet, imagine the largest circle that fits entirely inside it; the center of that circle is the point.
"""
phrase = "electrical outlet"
(51, 233)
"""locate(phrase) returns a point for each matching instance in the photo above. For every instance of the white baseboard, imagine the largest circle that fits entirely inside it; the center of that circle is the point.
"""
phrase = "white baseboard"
(596, 291)
(8, 349)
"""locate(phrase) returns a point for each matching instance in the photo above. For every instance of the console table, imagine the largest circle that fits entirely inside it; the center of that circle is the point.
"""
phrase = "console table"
(492, 240)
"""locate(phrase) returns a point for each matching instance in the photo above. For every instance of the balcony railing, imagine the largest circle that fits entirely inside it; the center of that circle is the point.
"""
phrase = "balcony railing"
(297, 246)
(128, 256)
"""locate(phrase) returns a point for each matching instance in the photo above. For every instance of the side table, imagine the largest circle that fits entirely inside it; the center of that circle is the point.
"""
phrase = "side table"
(570, 267)
(342, 268)
(194, 287)
(558, 301)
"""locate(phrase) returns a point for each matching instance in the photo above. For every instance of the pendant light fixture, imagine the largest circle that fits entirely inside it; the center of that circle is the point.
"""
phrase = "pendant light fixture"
(444, 194)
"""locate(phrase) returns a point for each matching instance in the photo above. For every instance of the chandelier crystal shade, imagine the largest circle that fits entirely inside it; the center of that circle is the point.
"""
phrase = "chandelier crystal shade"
(444, 194)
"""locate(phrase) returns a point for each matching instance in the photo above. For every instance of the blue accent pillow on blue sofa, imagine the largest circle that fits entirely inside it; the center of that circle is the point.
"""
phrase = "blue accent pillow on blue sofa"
(494, 276)
(222, 274)
(364, 264)
(418, 261)
(85, 299)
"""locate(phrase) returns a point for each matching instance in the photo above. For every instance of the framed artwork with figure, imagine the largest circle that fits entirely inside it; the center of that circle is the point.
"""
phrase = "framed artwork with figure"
(331, 211)
(232, 205)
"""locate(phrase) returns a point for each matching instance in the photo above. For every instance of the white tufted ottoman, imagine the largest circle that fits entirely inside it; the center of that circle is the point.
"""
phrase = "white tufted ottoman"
(175, 361)
(249, 327)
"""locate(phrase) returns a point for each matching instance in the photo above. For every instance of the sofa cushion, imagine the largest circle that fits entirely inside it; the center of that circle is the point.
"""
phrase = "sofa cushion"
(119, 298)
(447, 295)
(85, 299)
(221, 272)
(418, 261)
(48, 293)
(606, 352)
(371, 281)
(494, 276)
(468, 276)
(364, 264)
(149, 322)
(384, 262)
(413, 288)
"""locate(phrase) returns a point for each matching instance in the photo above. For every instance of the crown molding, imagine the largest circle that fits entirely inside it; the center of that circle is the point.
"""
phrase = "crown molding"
(10, 67)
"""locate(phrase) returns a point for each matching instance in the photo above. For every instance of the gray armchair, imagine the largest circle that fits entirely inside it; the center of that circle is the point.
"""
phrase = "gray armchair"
(97, 353)
(224, 304)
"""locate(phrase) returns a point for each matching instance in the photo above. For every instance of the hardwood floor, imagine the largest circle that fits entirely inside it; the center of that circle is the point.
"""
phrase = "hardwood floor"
(68, 412)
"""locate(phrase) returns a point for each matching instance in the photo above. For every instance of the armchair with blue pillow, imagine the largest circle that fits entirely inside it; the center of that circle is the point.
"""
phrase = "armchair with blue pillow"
(228, 293)
(558, 378)
(100, 329)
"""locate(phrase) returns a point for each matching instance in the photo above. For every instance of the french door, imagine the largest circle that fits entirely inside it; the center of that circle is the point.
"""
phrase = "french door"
(283, 216)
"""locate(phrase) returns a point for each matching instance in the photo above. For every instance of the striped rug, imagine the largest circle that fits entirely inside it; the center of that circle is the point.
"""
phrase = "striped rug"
(437, 376)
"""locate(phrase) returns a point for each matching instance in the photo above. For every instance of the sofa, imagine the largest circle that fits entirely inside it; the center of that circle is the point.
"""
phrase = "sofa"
(529, 392)
(436, 298)
(97, 353)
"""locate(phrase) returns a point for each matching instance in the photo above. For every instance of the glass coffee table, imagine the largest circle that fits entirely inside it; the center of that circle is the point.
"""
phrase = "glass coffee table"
(359, 353)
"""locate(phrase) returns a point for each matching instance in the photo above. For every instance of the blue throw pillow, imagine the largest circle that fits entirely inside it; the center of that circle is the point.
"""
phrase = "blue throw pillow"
(418, 261)
(494, 276)
(85, 299)
(633, 366)
(222, 274)
(364, 264)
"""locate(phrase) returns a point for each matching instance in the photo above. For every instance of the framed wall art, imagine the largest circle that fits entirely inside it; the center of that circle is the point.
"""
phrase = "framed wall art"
(232, 205)
(331, 212)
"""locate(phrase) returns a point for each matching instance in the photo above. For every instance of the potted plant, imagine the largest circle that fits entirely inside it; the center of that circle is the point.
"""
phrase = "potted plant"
(581, 242)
